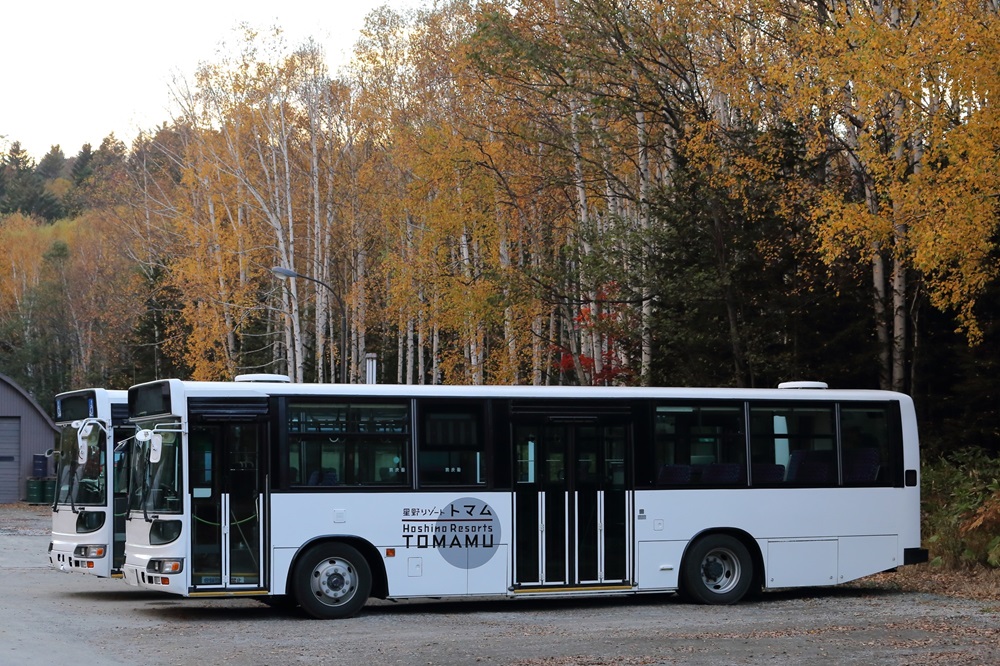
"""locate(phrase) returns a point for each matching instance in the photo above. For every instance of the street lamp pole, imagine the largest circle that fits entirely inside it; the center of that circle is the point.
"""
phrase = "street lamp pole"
(283, 272)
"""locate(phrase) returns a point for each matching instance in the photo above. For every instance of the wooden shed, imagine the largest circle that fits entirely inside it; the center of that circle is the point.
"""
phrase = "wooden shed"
(26, 430)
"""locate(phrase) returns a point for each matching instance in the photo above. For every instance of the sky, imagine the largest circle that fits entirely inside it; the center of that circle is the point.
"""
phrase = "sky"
(73, 72)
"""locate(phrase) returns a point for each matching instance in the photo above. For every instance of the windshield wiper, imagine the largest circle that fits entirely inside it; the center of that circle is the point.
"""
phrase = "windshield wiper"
(71, 489)
(144, 497)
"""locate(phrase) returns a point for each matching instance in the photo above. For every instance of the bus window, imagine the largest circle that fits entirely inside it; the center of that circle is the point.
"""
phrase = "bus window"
(700, 445)
(166, 477)
(342, 444)
(793, 445)
(122, 459)
(866, 451)
(451, 446)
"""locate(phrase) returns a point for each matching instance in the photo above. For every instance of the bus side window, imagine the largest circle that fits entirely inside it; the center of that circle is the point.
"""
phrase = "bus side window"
(700, 444)
(348, 444)
(793, 444)
(451, 449)
(865, 445)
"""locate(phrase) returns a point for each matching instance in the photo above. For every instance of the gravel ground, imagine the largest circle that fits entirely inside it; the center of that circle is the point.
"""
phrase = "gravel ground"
(52, 616)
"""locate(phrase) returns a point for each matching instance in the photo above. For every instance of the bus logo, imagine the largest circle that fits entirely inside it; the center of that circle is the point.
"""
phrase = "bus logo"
(466, 531)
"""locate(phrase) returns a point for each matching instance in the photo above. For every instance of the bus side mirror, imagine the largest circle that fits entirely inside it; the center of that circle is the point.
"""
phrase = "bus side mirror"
(81, 443)
(155, 440)
(155, 448)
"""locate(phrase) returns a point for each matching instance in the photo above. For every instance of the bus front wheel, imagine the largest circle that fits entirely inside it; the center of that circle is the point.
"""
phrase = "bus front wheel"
(332, 581)
(717, 570)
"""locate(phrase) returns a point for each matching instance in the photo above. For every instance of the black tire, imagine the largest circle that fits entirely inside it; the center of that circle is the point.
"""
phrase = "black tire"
(717, 569)
(332, 581)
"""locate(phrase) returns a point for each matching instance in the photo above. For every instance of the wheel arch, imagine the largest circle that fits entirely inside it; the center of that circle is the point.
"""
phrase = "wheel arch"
(744, 537)
(380, 580)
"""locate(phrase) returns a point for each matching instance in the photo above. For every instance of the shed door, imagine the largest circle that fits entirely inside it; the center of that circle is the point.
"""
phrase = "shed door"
(10, 460)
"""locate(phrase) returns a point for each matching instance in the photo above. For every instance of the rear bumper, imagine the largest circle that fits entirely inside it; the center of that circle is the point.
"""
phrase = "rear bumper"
(915, 555)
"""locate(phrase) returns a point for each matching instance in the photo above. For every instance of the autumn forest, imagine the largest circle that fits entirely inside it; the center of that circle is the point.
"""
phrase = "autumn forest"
(721, 193)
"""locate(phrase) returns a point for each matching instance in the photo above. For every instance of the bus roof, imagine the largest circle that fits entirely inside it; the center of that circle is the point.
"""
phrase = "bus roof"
(263, 389)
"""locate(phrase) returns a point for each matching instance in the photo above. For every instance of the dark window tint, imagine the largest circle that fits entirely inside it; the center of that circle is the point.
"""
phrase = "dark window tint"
(451, 448)
(795, 445)
(867, 437)
(348, 444)
(700, 445)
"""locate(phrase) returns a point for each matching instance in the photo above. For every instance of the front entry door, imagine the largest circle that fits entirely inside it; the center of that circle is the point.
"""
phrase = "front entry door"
(572, 505)
(227, 505)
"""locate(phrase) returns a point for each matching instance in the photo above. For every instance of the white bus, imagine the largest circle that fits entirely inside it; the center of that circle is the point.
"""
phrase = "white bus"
(326, 495)
(88, 509)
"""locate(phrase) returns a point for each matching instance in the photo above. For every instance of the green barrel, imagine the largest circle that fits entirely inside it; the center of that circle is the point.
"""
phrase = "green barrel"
(49, 489)
(34, 491)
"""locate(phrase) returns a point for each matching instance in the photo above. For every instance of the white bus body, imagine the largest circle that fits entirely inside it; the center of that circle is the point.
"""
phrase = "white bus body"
(88, 510)
(324, 495)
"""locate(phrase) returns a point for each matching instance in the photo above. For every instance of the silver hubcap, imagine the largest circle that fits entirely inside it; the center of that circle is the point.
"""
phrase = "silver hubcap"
(334, 581)
(720, 570)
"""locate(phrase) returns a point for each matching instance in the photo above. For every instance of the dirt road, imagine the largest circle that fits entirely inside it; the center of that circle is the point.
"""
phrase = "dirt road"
(70, 618)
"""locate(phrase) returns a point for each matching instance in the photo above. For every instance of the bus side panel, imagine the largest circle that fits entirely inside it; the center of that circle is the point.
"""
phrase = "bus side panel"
(800, 562)
(493, 577)
(858, 555)
(910, 533)
(281, 563)
(867, 529)
(659, 564)
(431, 543)
(831, 561)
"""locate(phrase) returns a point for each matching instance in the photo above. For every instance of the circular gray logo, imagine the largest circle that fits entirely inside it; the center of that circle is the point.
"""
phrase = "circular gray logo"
(471, 533)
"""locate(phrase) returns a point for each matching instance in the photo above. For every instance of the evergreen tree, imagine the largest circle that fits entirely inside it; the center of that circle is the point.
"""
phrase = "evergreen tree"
(24, 189)
(82, 168)
(98, 176)
(52, 164)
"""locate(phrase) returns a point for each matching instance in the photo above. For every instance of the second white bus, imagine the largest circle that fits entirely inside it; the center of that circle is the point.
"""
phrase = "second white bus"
(88, 510)
(327, 495)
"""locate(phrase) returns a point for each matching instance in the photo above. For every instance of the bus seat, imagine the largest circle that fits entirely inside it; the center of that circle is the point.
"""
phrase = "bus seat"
(811, 467)
(724, 474)
(326, 477)
(861, 465)
(767, 473)
(813, 471)
(794, 461)
(674, 475)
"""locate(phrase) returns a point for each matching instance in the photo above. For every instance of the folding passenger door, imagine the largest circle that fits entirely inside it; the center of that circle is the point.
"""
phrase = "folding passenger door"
(572, 501)
(228, 465)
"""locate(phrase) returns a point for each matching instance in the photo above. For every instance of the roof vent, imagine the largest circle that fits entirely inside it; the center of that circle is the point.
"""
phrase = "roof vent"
(803, 385)
(263, 377)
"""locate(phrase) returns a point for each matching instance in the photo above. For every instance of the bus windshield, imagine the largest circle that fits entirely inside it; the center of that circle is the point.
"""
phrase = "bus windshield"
(156, 487)
(122, 467)
(82, 483)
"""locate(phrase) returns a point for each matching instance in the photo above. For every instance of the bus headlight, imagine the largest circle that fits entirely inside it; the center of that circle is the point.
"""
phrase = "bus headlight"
(166, 565)
(164, 531)
(91, 551)
(89, 521)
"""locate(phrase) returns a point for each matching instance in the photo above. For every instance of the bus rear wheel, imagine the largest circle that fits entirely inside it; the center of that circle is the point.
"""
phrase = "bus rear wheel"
(332, 581)
(717, 570)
